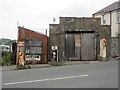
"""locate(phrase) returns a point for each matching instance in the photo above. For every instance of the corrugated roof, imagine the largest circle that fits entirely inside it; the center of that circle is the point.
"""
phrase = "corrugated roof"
(112, 7)
(32, 31)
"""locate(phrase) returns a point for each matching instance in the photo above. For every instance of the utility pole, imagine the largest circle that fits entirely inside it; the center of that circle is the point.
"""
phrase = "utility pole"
(17, 24)
(0, 58)
(46, 31)
(54, 20)
(17, 43)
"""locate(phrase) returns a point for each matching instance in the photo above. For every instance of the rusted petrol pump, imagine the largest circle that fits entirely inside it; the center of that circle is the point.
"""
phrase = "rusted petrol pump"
(20, 54)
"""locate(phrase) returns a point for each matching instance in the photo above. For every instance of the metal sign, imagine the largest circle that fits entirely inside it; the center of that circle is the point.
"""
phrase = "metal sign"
(103, 48)
(54, 47)
(20, 43)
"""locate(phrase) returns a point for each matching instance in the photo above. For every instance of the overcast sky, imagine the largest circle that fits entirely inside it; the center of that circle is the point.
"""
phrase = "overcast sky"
(38, 14)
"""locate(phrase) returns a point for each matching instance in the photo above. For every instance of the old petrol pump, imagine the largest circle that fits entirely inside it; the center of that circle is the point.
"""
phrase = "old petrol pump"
(20, 54)
(55, 53)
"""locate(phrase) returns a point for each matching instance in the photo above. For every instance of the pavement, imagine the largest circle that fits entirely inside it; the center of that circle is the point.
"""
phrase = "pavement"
(93, 75)
(13, 67)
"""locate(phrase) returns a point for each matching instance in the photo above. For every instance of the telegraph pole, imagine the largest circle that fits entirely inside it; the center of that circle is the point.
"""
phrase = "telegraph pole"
(46, 31)
(17, 43)
(54, 20)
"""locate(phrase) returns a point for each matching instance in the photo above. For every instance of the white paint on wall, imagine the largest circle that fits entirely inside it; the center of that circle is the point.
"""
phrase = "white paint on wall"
(105, 18)
(114, 24)
(110, 20)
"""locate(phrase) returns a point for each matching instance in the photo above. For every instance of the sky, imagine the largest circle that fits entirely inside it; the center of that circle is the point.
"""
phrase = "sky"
(38, 14)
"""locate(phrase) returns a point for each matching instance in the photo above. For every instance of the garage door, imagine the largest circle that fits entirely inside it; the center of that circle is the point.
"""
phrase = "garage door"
(88, 46)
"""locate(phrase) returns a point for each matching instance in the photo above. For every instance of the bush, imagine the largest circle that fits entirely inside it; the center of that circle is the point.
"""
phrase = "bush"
(21, 68)
(6, 58)
(54, 63)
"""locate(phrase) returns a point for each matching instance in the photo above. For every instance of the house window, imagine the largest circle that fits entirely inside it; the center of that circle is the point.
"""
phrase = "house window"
(104, 21)
(118, 16)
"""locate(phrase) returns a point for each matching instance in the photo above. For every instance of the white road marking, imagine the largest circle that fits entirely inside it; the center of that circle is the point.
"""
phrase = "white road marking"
(45, 80)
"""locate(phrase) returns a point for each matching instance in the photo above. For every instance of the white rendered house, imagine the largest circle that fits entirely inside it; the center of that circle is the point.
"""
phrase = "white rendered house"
(110, 16)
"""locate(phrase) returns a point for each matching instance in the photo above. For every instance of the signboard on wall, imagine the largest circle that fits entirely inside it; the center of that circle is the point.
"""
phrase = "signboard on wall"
(103, 48)
(77, 40)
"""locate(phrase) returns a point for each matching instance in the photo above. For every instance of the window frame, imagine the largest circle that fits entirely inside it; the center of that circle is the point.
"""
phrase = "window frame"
(118, 16)
(103, 20)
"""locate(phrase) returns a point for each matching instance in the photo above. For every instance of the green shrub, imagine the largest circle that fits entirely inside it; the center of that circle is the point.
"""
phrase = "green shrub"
(54, 63)
(21, 68)
(6, 58)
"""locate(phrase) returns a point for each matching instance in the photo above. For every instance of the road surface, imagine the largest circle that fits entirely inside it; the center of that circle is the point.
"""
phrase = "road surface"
(93, 75)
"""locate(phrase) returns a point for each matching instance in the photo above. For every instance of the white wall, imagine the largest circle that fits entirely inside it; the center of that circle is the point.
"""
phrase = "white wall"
(106, 17)
(114, 25)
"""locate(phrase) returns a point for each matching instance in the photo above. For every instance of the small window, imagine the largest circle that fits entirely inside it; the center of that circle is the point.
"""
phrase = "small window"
(104, 21)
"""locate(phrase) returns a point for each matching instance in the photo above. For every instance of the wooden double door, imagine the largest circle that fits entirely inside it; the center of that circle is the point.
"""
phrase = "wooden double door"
(81, 46)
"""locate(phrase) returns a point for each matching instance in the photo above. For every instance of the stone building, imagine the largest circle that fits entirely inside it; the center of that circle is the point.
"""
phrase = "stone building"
(80, 39)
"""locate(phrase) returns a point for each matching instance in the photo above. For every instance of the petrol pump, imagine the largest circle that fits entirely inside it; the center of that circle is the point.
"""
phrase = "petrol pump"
(20, 54)
(55, 53)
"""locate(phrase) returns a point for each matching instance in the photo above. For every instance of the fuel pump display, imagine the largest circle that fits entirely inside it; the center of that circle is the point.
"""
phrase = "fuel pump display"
(55, 53)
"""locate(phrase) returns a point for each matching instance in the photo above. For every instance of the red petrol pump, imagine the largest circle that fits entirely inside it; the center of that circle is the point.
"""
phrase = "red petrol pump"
(20, 54)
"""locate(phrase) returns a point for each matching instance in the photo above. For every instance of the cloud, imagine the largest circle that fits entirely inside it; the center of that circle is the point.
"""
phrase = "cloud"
(40, 13)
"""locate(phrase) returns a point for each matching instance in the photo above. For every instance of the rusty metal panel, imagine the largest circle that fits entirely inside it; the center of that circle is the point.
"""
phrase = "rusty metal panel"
(77, 46)
(88, 46)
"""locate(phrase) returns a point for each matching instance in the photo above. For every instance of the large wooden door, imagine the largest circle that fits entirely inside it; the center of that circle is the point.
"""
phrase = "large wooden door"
(88, 46)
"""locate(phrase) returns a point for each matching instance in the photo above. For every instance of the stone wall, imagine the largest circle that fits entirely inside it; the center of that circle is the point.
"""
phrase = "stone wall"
(115, 46)
(119, 46)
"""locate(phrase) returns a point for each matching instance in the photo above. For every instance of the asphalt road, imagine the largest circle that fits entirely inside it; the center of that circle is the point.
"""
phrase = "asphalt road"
(94, 75)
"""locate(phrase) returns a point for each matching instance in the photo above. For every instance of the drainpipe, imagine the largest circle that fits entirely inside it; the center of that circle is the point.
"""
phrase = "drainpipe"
(110, 19)
(110, 33)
